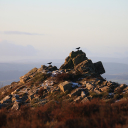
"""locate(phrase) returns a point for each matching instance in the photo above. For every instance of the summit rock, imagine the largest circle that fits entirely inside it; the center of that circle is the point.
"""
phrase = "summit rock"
(77, 60)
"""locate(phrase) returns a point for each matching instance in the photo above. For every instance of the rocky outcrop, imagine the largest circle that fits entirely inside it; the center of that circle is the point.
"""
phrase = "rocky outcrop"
(78, 61)
(83, 82)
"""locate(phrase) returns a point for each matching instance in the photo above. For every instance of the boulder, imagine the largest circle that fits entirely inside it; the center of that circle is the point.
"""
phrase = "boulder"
(99, 67)
(65, 86)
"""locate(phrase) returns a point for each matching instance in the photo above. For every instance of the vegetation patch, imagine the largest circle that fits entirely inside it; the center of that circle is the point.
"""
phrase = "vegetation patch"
(95, 113)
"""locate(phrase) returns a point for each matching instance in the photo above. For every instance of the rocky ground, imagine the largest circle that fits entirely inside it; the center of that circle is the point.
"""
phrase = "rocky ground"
(77, 80)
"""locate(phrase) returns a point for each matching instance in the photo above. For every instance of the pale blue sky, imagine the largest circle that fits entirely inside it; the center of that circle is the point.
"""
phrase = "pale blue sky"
(54, 28)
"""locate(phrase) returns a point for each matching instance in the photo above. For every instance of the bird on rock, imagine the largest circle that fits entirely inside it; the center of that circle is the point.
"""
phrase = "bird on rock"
(78, 48)
(49, 63)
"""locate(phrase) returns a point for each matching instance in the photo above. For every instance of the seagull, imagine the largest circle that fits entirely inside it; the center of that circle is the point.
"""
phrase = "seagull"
(78, 48)
(49, 63)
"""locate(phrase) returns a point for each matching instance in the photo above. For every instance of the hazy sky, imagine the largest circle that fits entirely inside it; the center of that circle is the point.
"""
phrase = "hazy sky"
(53, 28)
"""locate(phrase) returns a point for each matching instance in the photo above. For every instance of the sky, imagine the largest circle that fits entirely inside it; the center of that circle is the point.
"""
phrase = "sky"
(51, 29)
